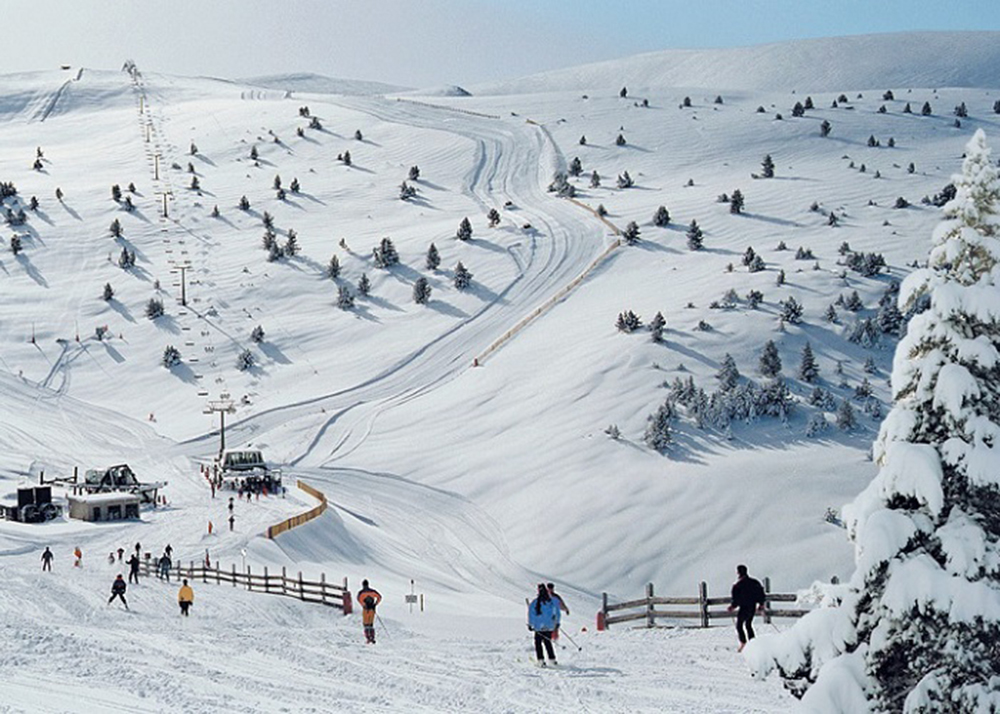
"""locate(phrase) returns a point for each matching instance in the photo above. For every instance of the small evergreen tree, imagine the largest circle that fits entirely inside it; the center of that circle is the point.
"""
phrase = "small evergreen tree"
(414, 173)
(109, 292)
(824, 128)
(628, 322)
(345, 299)
(661, 217)
(736, 202)
(364, 285)
(625, 181)
(406, 192)
(656, 327)
(333, 268)
(493, 217)
(433, 259)
(421, 291)
(257, 334)
(154, 308)
(385, 254)
(116, 229)
(575, 167)
(728, 374)
(695, 237)
(463, 278)
(595, 179)
(790, 310)
(631, 233)
(253, 153)
(245, 360)
(620, 140)
(767, 167)
(657, 436)
(15, 244)
(244, 203)
(926, 109)
(770, 360)
(116, 193)
(294, 186)
(171, 357)
(464, 231)
(808, 369)
(292, 248)
(346, 158)
(357, 135)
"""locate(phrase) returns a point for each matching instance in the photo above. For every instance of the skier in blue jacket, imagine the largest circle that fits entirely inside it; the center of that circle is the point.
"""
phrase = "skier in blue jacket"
(543, 617)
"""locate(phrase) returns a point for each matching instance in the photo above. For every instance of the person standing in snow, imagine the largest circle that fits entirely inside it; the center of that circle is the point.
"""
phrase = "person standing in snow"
(47, 559)
(559, 610)
(121, 552)
(185, 596)
(164, 564)
(78, 554)
(543, 618)
(118, 588)
(368, 598)
(748, 597)
(133, 569)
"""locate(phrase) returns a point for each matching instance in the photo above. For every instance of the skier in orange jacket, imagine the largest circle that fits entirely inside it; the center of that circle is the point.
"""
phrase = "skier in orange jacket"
(368, 598)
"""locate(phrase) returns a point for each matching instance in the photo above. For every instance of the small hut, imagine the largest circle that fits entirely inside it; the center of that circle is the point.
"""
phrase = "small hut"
(109, 506)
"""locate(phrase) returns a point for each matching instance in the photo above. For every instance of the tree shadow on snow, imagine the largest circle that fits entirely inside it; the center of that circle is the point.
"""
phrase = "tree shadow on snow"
(446, 309)
(31, 270)
(272, 352)
(118, 307)
(183, 372)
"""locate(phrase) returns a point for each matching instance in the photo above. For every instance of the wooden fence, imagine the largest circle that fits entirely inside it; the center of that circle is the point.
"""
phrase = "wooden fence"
(320, 592)
(702, 608)
(294, 521)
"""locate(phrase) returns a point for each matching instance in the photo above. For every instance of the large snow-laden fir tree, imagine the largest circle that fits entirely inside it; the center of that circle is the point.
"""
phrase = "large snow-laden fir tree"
(917, 628)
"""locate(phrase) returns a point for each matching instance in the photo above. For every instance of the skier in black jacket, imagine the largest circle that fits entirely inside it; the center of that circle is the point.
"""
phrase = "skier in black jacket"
(748, 597)
(118, 590)
(133, 569)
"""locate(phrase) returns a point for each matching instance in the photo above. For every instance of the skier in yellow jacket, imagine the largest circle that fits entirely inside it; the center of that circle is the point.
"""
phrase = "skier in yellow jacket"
(185, 596)
(368, 598)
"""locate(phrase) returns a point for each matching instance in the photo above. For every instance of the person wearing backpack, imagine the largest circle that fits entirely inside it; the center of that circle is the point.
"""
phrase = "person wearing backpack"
(543, 617)
(368, 598)
(748, 597)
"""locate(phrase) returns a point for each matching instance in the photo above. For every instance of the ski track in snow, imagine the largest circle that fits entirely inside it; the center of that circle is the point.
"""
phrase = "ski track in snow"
(569, 240)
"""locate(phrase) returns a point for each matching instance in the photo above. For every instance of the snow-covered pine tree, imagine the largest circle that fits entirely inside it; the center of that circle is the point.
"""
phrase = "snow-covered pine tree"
(345, 299)
(15, 244)
(171, 357)
(661, 218)
(625, 181)
(767, 167)
(631, 233)
(433, 259)
(695, 236)
(657, 434)
(824, 128)
(728, 374)
(116, 229)
(257, 334)
(333, 268)
(770, 360)
(414, 173)
(464, 231)
(493, 218)
(575, 167)
(808, 369)
(154, 308)
(595, 179)
(385, 254)
(736, 202)
(421, 291)
(109, 292)
(245, 360)
(915, 629)
(292, 247)
(364, 285)
(463, 278)
(620, 140)
(406, 191)
(656, 326)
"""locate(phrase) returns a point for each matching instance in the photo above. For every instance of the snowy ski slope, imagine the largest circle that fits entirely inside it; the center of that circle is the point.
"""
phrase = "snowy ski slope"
(476, 482)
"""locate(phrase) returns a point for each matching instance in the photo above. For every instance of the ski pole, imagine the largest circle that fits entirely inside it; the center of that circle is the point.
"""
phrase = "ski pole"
(382, 623)
(566, 635)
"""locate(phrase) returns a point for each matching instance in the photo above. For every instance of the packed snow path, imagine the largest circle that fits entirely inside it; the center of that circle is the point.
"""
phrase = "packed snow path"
(66, 650)
(513, 160)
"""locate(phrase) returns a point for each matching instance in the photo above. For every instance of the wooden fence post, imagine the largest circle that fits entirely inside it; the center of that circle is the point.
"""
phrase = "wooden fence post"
(602, 623)
(302, 589)
(322, 587)
(284, 581)
(218, 578)
(703, 602)
(767, 605)
(234, 575)
(650, 618)
(249, 580)
(267, 582)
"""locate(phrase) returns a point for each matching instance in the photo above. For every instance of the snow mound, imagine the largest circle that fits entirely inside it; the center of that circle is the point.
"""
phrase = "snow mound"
(882, 61)
(318, 84)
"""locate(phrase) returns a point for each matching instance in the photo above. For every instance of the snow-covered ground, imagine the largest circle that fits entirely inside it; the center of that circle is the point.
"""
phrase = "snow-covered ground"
(475, 482)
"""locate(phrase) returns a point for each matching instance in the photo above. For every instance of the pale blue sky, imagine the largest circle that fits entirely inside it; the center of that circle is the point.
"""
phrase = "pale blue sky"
(430, 42)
